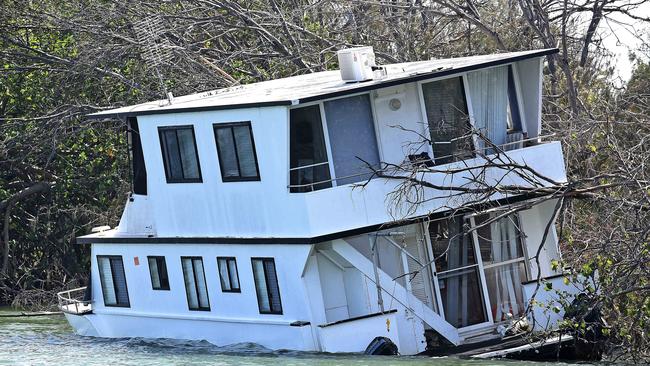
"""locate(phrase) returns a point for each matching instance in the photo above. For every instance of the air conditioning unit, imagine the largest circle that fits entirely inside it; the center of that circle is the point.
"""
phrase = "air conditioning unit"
(356, 64)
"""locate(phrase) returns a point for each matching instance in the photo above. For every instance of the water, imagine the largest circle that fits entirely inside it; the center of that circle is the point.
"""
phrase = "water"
(50, 341)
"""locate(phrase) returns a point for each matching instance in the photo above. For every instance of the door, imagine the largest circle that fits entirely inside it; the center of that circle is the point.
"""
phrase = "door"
(459, 284)
(504, 262)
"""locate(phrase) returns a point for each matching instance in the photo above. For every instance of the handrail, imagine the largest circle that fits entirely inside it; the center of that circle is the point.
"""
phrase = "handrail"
(502, 146)
(308, 166)
(72, 302)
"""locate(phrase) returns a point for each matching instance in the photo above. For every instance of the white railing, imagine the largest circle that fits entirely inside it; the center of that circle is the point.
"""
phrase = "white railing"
(513, 143)
(72, 301)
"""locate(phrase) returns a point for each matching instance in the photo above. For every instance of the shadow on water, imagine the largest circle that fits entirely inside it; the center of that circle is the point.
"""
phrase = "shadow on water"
(49, 340)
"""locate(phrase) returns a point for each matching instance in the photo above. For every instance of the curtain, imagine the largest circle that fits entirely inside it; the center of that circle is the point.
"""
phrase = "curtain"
(260, 285)
(200, 282)
(173, 161)
(245, 151)
(188, 153)
(507, 297)
(119, 277)
(446, 109)
(488, 90)
(274, 290)
(232, 269)
(106, 279)
(154, 272)
(190, 285)
(227, 156)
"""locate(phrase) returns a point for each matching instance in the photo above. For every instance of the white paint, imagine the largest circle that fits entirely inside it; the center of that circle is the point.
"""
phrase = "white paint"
(548, 309)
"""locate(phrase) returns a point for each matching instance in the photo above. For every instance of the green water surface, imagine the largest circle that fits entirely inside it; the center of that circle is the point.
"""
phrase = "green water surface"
(50, 341)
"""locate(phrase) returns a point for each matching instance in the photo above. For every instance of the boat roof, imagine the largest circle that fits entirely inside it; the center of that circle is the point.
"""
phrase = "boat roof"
(315, 86)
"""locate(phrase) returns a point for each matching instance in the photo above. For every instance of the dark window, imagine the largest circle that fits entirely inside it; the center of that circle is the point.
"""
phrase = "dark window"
(309, 168)
(195, 285)
(236, 150)
(158, 272)
(228, 274)
(113, 280)
(449, 126)
(179, 154)
(514, 116)
(137, 159)
(266, 286)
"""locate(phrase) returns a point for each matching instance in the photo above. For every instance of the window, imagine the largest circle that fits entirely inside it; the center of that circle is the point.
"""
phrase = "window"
(446, 109)
(236, 150)
(228, 274)
(179, 154)
(158, 272)
(514, 117)
(266, 286)
(113, 281)
(309, 168)
(195, 285)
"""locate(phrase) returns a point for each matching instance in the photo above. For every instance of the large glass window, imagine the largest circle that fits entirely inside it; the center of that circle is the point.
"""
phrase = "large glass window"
(113, 280)
(228, 274)
(179, 154)
(309, 167)
(449, 127)
(266, 286)
(158, 273)
(504, 262)
(236, 150)
(195, 285)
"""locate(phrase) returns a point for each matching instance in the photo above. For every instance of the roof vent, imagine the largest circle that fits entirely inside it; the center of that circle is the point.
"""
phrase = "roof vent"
(356, 64)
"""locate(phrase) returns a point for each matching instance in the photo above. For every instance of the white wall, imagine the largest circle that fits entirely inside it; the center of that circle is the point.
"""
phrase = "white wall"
(229, 307)
(534, 222)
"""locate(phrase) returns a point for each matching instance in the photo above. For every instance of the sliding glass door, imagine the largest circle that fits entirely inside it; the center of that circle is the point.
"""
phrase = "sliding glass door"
(457, 270)
(479, 269)
(504, 262)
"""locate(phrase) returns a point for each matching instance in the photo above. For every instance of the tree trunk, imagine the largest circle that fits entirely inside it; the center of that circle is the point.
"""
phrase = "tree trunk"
(6, 206)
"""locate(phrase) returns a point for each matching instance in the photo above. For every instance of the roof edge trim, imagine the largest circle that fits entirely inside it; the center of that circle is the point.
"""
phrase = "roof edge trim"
(433, 74)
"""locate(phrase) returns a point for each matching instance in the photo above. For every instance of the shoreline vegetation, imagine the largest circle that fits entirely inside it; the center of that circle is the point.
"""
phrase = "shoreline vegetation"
(61, 175)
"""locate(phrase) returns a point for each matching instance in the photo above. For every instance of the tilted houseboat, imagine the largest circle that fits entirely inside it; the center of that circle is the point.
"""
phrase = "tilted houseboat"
(259, 213)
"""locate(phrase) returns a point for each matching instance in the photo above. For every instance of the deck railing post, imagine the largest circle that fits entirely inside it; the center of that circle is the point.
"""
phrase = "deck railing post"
(375, 265)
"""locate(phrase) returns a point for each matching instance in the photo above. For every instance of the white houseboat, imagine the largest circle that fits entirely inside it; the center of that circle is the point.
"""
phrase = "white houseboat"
(259, 212)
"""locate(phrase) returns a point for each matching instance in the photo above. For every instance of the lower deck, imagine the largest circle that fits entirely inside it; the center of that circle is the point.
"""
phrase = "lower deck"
(425, 286)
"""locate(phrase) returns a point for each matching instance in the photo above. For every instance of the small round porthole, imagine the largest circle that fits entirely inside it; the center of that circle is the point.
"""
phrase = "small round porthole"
(394, 104)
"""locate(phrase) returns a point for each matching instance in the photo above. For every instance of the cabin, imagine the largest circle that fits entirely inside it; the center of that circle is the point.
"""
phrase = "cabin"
(259, 213)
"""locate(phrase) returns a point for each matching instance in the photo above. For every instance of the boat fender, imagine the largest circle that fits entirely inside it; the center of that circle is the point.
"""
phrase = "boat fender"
(381, 346)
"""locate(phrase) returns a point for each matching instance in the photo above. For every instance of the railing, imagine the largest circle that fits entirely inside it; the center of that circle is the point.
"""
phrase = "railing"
(72, 301)
(487, 150)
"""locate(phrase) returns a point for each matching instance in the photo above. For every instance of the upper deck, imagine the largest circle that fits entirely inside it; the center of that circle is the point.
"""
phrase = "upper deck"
(251, 165)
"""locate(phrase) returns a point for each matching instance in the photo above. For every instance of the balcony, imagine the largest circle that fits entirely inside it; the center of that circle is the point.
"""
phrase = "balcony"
(377, 201)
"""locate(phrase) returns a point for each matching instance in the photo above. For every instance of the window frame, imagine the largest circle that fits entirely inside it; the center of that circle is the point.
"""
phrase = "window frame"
(126, 285)
(230, 126)
(266, 280)
(161, 130)
(232, 288)
(196, 288)
(164, 262)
